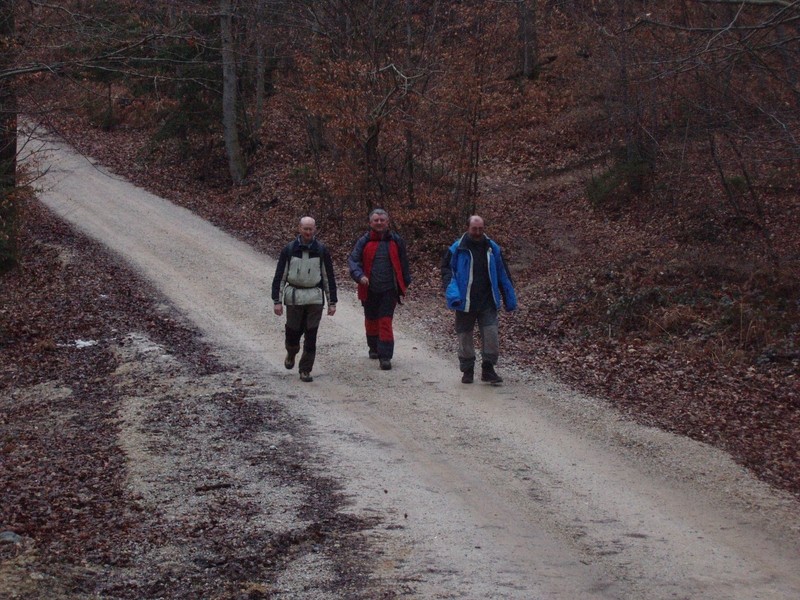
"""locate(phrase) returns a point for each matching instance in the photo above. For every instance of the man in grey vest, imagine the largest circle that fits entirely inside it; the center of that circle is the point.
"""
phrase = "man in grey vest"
(303, 280)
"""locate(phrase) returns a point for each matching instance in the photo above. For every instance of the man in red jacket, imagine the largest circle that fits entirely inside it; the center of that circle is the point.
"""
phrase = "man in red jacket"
(379, 264)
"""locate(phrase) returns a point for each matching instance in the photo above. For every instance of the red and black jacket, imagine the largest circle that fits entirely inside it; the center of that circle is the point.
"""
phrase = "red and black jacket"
(361, 259)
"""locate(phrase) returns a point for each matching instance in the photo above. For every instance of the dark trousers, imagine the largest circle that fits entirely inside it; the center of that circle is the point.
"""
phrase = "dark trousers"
(378, 314)
(303, 321)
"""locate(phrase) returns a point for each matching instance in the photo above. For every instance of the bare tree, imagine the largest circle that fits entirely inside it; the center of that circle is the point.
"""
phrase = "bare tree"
(8, 139)
(374, 56)
(726, 73)
(93, 46)
(528, 38)
(236, 161)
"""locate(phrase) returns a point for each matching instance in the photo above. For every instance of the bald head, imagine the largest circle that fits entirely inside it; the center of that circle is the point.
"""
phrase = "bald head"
(307, 229)
(475, 227)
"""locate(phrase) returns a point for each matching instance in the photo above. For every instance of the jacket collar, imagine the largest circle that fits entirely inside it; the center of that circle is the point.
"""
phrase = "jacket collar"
(462, 244)
(311, 245)
(379, 235)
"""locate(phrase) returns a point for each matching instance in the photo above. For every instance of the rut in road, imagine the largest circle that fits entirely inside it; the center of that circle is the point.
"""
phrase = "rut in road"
(522, 491)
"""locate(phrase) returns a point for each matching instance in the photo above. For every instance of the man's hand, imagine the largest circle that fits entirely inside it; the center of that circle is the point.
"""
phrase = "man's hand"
(278, 308)
(364, 280)
(331, 310)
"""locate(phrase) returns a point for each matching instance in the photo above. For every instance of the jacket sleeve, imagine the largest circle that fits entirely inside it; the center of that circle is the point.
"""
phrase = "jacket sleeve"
(446, 269)
(277, 280)
(452, 295)
(401, 245)
(329, 284)
(355, 259)
(506, 284)
(452, 291)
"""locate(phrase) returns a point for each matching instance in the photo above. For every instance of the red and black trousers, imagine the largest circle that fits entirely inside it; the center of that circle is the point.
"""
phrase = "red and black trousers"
(378, 314)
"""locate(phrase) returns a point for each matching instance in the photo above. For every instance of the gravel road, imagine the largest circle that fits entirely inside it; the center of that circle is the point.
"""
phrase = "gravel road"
(527, 490)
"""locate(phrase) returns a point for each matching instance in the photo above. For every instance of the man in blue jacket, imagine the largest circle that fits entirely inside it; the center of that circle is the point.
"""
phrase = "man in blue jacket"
(477, 283)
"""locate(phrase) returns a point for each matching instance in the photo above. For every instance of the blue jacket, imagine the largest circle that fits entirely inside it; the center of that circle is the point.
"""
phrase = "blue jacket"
(457, 276)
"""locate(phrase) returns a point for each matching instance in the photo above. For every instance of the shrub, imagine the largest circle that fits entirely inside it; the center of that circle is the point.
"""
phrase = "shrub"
(625, 179)
(8, 220)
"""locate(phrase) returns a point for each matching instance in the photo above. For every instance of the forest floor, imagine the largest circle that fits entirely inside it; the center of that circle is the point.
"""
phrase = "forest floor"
(88, 345)
(58, 303)
(186, 467)
(574, 267)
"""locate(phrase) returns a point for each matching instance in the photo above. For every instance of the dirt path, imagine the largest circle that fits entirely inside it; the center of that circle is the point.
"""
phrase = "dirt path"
(522, 491)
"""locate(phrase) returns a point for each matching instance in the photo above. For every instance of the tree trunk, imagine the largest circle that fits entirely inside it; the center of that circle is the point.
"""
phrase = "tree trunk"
(412, 201)
(409, 159)
(236, 161)
(8, 141)
(372, 160)
(264, 68)
(315, 126)
(260, 86)
(528, 42)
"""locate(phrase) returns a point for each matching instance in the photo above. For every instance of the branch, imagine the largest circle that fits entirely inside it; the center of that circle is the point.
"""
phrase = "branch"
(780, 3)
(119, 55)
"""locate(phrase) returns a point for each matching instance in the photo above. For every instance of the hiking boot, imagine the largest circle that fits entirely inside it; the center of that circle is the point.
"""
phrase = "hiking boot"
(488, 374)
(373, 354)
(468, 376)
(386, 364)
(306, 376)
(288, 362)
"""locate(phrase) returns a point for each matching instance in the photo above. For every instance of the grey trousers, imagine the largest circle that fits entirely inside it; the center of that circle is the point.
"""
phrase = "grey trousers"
(490, 339)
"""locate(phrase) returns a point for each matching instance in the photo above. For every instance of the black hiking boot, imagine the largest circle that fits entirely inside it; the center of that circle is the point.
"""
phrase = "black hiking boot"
(468, 376)
(288, 362)
(386, 364)
(306, 376)
(488, 374)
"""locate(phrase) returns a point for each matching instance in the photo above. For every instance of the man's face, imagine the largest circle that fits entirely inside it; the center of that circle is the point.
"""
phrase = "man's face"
(379, 222)
(307, 230)
(475, 230)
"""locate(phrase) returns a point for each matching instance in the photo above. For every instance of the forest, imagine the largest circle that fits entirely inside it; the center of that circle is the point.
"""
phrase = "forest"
(639, 162)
